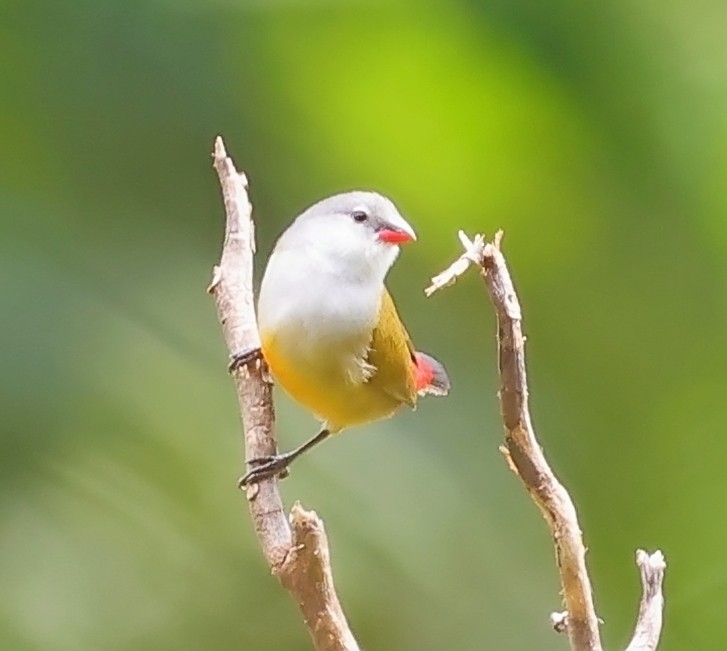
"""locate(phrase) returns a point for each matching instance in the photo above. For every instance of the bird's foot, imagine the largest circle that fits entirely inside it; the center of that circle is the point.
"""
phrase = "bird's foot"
(243, 358)
(266, 467)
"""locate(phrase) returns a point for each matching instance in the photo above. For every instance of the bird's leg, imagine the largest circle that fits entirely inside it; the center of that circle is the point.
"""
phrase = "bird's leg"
(264, 467)
(242, 358)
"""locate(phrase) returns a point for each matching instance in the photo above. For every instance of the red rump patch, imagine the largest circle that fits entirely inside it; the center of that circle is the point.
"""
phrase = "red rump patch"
(423, 372)
(430, 376)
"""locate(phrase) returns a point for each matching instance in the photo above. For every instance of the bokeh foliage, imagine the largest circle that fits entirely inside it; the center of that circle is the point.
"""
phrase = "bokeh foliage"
(593, 133)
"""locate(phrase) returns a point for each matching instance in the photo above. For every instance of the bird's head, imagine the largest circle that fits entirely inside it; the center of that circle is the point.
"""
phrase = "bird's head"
(354, 233)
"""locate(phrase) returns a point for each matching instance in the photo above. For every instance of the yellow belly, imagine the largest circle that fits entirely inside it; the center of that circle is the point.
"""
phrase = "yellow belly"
(329, 395)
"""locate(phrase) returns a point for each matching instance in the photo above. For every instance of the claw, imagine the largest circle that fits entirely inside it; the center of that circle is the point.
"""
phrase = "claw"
(277, 465)
(259, 461)
(241, 359)
(265, 468)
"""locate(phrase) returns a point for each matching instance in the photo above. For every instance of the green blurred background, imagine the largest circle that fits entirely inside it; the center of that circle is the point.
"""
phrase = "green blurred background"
(595, 134)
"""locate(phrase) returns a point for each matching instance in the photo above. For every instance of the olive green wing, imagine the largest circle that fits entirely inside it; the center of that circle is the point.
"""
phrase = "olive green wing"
(392, 355)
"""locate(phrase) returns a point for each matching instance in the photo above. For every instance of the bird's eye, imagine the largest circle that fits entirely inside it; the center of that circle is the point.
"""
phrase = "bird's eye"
(359, 216)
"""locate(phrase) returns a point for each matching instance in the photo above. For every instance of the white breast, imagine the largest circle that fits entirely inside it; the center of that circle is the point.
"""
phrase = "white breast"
(317, 317)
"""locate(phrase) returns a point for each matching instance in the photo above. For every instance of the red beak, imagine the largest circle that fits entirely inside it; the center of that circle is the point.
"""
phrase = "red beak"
(392, 236)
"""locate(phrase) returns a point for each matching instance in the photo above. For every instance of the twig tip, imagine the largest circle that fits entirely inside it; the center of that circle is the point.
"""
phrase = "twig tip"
(300, 516)
(220, 151)
(473, 254)
(497, 240)
(216, 278)
(655, 561)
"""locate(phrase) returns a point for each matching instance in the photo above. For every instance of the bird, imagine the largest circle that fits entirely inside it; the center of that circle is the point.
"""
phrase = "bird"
(329, 329)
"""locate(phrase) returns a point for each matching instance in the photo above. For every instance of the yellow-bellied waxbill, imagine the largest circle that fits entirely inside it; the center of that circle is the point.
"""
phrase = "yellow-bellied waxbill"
(329, 329)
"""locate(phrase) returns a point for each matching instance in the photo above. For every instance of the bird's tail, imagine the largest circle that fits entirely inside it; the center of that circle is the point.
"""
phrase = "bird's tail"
(431, 378)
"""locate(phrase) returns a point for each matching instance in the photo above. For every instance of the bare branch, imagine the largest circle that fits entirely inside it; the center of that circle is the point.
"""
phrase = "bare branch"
(473, 254)
(648, 624)
(526, 459)
(525, 456)
(299, 557)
